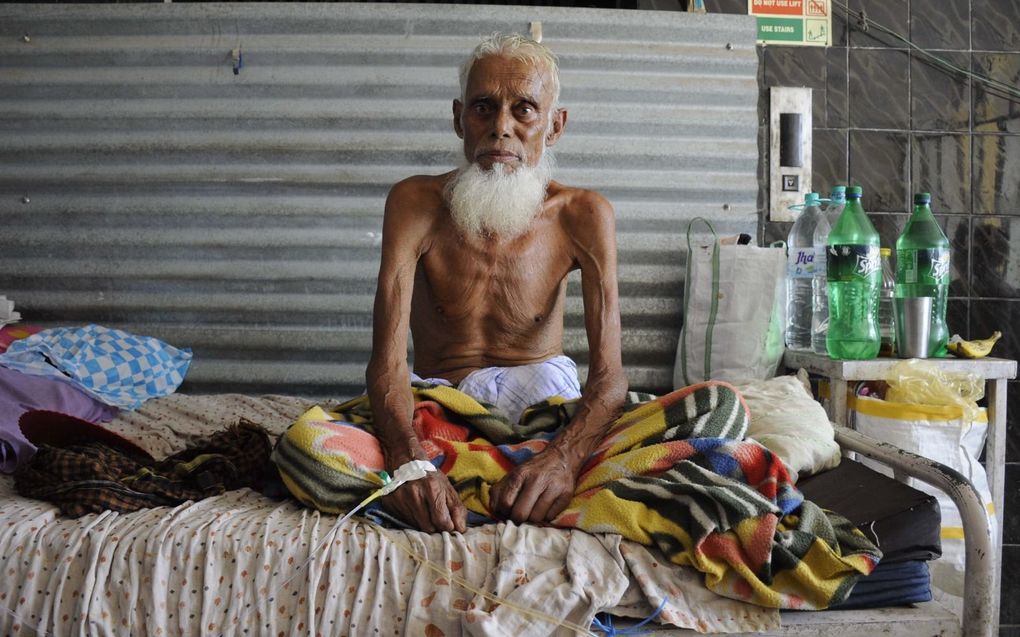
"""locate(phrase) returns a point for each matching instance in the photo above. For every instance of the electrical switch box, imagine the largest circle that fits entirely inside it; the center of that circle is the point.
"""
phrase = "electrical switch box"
(789, 150)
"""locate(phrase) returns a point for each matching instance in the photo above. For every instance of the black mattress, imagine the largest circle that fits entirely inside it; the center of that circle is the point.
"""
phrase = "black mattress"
(893, 584)
(902, 521)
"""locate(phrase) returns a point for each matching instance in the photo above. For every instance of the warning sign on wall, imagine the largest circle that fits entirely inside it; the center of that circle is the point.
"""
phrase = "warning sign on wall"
(793, 22)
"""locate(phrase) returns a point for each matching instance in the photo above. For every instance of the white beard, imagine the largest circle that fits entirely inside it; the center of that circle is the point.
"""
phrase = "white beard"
(485, 202)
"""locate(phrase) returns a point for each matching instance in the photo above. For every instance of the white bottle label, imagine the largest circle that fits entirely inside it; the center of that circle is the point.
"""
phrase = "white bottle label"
(820, 259)
(800, 263)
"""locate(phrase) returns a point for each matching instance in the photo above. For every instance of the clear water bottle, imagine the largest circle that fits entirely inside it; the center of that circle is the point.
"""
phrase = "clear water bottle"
(800, 269)
(854, 273)
(922, 268)
(886, 314)
(837, 201)
(819, 285)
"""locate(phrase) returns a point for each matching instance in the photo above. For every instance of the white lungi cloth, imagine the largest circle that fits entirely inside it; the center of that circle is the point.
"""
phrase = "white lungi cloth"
(514, 389)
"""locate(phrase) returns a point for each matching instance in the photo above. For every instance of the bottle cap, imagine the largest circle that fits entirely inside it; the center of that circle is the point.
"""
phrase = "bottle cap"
(854, 191)
(885, 252)
(811, 199)
(922, 198)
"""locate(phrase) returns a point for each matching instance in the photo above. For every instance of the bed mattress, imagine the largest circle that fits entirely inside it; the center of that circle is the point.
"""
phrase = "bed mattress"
(235, 564)
(904, 522)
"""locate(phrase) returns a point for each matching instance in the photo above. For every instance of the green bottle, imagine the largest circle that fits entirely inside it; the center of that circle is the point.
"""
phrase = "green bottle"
(854, 274)
(922, 268)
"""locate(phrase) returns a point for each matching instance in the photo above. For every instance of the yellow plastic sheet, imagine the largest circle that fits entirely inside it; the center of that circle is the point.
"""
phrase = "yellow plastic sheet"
(920, 381)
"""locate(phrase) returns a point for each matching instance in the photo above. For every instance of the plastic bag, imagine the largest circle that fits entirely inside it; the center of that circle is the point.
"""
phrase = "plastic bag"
(734, 311)
(934, 413)
(942, 433)
(921, 382)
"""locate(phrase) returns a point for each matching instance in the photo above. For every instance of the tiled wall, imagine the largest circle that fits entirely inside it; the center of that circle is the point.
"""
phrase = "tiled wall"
(888, 120)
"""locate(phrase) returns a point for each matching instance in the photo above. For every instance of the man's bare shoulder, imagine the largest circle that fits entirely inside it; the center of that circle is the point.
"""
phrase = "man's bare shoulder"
(419, 191)
(583, 209)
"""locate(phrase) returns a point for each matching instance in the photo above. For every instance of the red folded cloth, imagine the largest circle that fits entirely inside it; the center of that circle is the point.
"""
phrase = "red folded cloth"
(11, 333)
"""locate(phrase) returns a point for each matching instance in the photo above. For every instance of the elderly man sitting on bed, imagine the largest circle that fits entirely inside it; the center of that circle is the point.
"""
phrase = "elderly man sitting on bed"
(475, 262)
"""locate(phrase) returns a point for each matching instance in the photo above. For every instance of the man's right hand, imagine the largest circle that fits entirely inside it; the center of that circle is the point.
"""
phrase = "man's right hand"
(429, 504)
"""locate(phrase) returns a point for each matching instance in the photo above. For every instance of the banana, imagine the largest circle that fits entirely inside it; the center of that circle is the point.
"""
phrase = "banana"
(973, 349)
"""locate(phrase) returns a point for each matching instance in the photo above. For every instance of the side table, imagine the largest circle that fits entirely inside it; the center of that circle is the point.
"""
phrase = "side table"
(995, 372)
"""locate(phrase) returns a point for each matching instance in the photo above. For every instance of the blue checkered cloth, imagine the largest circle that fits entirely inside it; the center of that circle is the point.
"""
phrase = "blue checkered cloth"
(118, 368)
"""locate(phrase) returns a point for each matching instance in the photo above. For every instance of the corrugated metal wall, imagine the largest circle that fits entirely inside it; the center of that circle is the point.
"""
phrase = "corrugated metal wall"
(144, 185)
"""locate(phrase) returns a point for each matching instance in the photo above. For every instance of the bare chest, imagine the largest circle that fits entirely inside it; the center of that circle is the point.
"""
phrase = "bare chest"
(518, 282)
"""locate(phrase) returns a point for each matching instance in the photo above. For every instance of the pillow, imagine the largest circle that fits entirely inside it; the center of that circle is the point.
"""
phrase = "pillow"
(791, 424)
(116, 367)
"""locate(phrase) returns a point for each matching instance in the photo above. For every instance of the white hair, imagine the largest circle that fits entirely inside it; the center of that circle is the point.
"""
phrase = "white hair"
(517, 47)
(498, 201)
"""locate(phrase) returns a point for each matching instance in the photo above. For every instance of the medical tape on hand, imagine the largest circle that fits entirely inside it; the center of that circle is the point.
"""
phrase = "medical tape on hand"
(413, 470)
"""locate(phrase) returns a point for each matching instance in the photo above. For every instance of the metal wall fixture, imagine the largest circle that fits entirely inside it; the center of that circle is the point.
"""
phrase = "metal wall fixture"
(240, 214)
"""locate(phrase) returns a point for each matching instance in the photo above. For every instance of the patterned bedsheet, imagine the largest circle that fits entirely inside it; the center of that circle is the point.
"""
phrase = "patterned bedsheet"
(234, 564)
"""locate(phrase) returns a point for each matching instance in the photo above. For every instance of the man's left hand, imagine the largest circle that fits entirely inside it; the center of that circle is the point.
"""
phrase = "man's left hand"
(537, 490)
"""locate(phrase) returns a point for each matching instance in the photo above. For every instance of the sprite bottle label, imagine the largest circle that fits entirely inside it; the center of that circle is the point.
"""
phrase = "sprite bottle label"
(927, 266)
(853, 262)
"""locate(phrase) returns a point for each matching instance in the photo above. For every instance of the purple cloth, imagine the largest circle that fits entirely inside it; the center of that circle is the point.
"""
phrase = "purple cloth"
(23, 392)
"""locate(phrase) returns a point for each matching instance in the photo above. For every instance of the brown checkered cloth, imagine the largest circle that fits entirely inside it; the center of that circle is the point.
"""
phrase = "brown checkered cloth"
(94, 477)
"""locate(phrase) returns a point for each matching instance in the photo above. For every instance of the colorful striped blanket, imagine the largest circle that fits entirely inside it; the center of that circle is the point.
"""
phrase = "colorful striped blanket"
(673, 473)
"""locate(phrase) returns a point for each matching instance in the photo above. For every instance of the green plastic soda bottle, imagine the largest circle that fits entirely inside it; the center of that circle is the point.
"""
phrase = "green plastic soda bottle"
(922, 268)
(854, 274)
